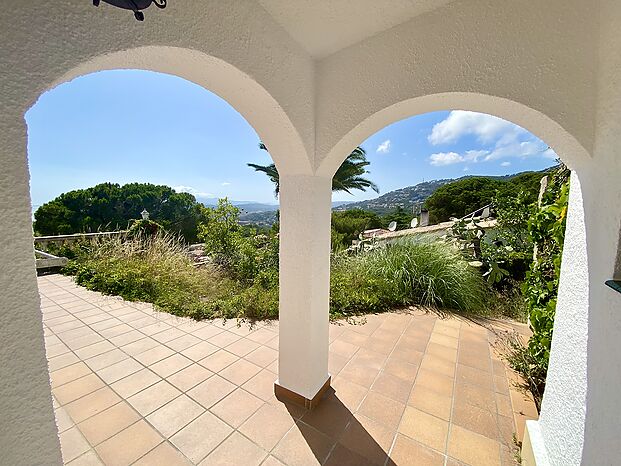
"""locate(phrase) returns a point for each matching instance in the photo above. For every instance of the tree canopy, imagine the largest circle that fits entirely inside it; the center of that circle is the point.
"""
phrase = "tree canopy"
(463, 196)
(110, 206)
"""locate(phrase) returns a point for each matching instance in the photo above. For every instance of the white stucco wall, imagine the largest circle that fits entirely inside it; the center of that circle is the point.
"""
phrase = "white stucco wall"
(551, 67)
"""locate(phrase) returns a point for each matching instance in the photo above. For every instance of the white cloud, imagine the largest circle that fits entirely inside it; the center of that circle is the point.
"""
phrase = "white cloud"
(505, 164)
(225, 183)
(195, 192)
(384, 147)
(500, 139)
(486, 128)
(466, 169)
(441, 159)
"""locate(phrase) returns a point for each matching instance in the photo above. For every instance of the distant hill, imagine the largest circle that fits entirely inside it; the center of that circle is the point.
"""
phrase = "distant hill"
(404, 197)
(410, 196)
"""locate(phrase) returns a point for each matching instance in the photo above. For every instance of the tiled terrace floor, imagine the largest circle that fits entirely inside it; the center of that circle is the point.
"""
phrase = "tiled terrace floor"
(134, 386)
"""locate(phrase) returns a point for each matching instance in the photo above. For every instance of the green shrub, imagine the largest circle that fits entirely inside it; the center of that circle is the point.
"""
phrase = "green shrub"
(407, 272)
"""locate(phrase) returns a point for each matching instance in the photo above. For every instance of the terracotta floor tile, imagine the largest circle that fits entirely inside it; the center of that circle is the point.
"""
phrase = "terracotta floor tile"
(506, 430)
(207, 332)
(474, 376)
(235, 450)
(212, 390)
(343, 348)
(242, 347)
(219, 360)
(107, 423)
(63, 420)
(170, 365)
(431, 402)
(272, 461)
(68, 374)
(368, 358)
(402, 369)
(62, 360)
(201, 436)
(330, 417)
(478, 359)
(240, 371)
(73, 444)
(106, 359)
(476, 419)
(153, 397)
(474, 395)
(350, 394)
(437, 364)
(393, 387)
(175, 415)
(183, 342)
(503, 405)
(444, 352)
(119, 370)
(382, 409)
(77, 388)
(168, 335)
(407, 451)
(135, 382)
(223, 339)
(342, 456)
(163, 455)
(473, 448)
(262, 356)
(95, 349)
(370, 439)
(267, 426)
(91, 404)
(303, 445)
(129, 444)
(361, 375)
(199, 351)
(424, 428)
(89, 458)
(153, 355)
(354, 338)
(444, 340)
(140, 346)
(126, 338)
(189, 377)
(236, 407)
(261, 385)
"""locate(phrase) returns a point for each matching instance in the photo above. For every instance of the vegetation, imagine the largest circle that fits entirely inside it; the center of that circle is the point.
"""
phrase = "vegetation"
(546, 227)
(347, 226)
(241, 281)
(465, 195)
(110, 206)
(430, 274)
(348, 177)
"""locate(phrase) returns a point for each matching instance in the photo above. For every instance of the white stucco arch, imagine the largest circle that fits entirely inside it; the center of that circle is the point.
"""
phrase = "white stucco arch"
(568, 148)
(567, 364)
(239, 90)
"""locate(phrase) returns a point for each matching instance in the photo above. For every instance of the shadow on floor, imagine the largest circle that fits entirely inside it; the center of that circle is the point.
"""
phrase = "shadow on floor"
(337, 438)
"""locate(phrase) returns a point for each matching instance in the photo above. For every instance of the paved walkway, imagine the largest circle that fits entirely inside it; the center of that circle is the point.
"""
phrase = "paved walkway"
(135, 386)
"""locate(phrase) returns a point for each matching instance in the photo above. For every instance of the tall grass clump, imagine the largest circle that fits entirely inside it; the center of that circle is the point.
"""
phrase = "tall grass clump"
(152, 268)
(407, 272)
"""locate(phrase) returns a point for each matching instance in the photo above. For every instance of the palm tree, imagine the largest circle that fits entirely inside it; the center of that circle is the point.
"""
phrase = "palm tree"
(348, 177)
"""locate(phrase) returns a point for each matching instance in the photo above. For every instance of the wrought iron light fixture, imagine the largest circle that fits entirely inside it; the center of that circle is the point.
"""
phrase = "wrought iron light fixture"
(134, 5)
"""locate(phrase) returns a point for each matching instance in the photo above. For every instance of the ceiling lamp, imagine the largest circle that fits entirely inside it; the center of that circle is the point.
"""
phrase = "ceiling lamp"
(134, 5)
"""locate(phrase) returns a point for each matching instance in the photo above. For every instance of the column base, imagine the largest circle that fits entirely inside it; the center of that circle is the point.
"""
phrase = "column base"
(533, 448)
(284, 394)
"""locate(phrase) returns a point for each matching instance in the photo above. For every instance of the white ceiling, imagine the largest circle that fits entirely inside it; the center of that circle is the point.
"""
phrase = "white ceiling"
(323, 27)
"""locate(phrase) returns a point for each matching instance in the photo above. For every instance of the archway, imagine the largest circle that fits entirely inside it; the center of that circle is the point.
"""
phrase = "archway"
(572, 314)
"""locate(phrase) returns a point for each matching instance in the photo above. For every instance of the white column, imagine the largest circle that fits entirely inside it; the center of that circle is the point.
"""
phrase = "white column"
(28, 433)
(305, 206)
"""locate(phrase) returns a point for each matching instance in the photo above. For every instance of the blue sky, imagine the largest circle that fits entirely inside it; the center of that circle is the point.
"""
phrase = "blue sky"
(125, 125)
